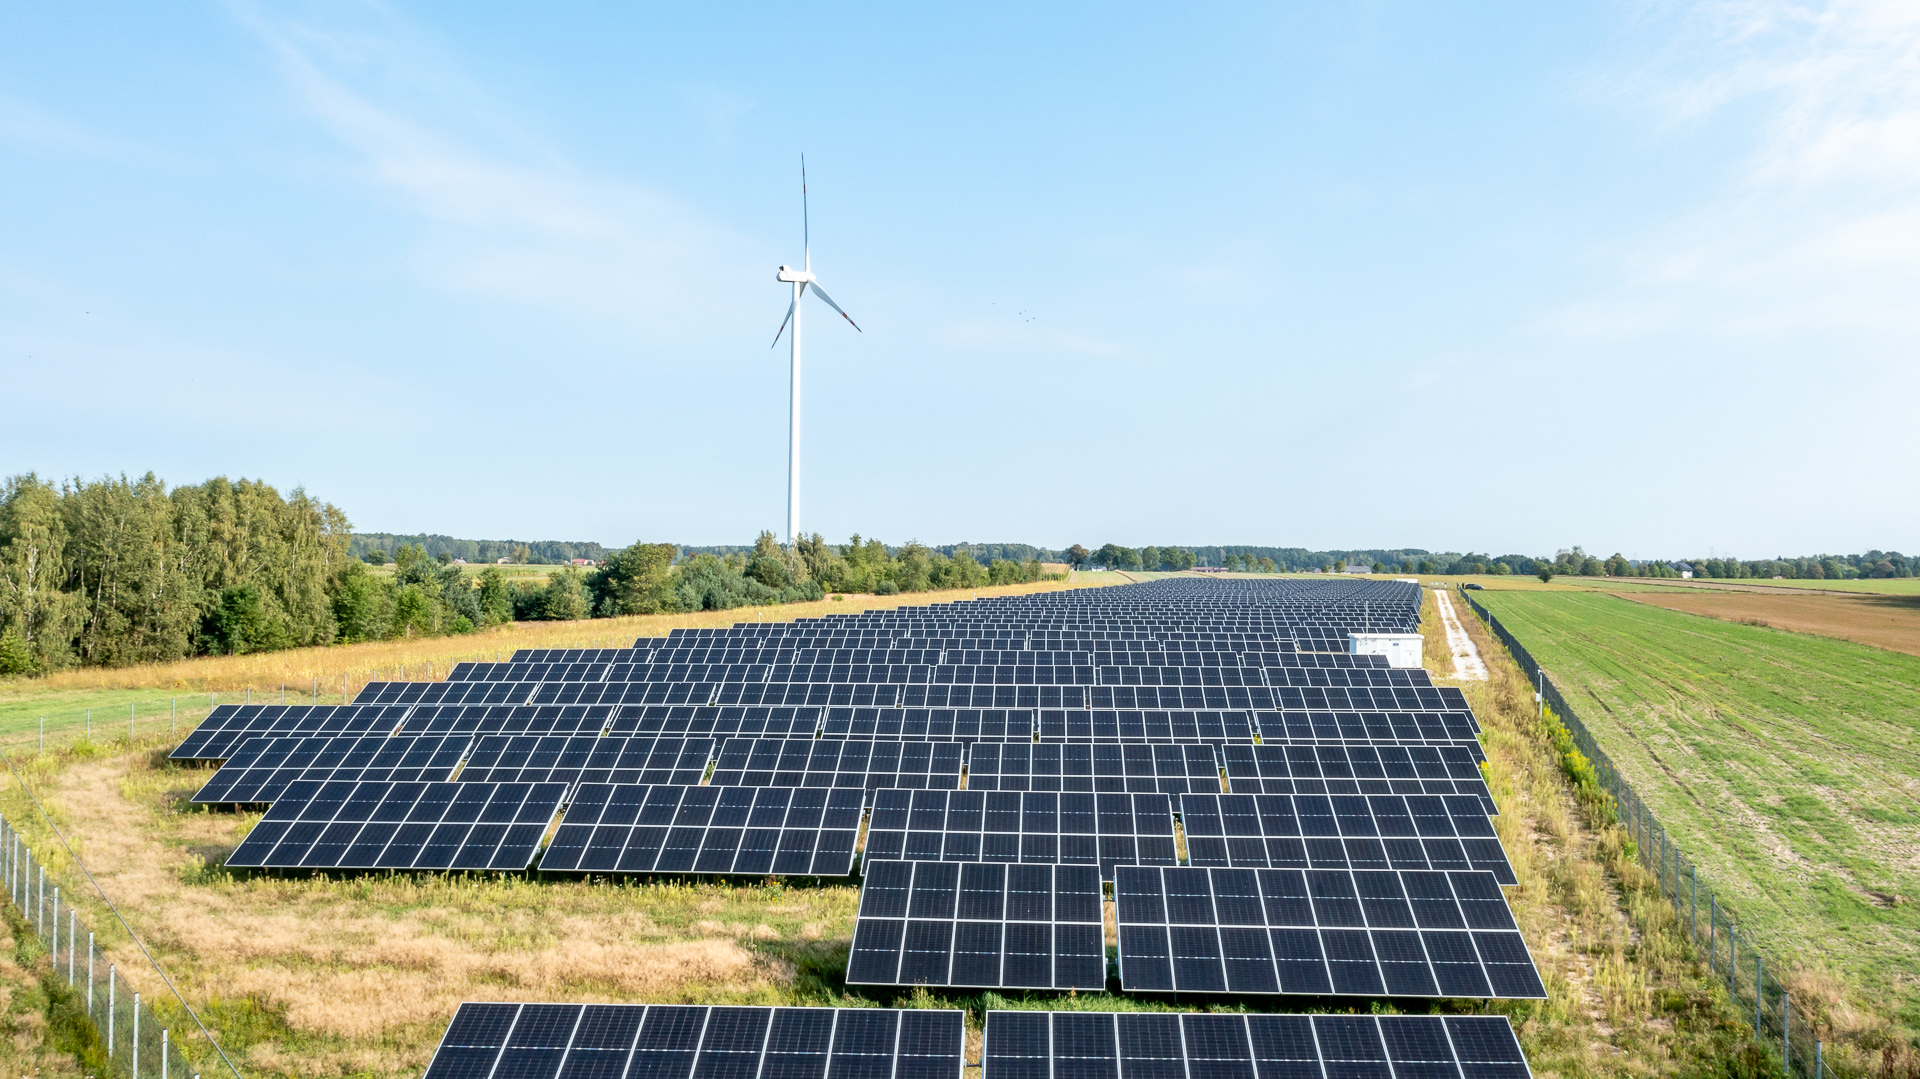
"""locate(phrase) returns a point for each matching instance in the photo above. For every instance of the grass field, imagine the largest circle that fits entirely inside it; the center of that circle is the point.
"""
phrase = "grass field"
(356, 976)
(1786, 765)
(1889, 621)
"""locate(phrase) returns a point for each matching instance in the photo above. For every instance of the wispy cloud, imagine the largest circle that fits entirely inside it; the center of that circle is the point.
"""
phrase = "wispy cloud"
(1819, 226)
(502, 214)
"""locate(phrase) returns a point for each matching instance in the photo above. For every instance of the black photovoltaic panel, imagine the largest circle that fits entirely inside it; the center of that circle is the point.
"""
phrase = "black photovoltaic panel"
(778, 831)
(674, 1041)
(1128, 767)
(979, 925)
(1355, 768)
(220, 734)
(836, 762)
(1107, 725)
(507, 719)
(1342, 831)
(931, 724)
(348, 825)
(529, 758)
(1034, 827)
(1405, 934)
(407, 693)
(1367, 726)
(264, 766)
(640, 647)
(1138, 1045)
(391, 692)
(719, 722)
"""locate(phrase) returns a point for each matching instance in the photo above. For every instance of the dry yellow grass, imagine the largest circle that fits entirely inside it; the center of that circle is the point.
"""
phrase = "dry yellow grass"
(432, 657)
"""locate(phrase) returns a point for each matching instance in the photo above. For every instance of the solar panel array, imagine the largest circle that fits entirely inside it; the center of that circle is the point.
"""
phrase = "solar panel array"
(354, 825)
(979, 925)
(662, 1041)
(1307, 831)
(629, 828)
(1104, 767)
(1135, 1045)
(1105, 830)
(1372, 933)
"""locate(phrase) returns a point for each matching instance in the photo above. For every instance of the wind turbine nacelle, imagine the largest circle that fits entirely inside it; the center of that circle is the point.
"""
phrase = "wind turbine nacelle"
(793, 276)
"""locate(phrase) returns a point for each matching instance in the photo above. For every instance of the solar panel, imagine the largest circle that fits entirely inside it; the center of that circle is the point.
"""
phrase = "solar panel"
(1129, 767)
(1312, 831)
(979, 925)
(1179, 725)
(1033, 827)
(762, 831)
(1412, 726)
(228, 726)
(264, 766)
(506, 719)
(351, 825)
(1258, 931)
(526, 758)
(1136, 1045)
(1355, 768)
(690, 720)
(931, 724)
(833, 762)
(670, 1041)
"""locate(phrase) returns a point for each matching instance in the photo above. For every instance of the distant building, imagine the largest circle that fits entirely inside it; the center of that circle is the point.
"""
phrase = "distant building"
(1682, 568)
(584, 562)
(500, 561)
(459, 561)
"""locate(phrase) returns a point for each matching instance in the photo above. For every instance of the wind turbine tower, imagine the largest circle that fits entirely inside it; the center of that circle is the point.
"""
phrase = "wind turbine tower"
(801, 280)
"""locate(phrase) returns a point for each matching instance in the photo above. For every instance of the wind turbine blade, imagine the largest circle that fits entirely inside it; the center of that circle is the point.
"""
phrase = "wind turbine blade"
(784, 321)
(806, 233)
(818, 291)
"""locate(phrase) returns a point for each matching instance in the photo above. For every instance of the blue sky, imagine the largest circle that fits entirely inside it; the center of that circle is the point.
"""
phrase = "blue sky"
(1513, 276)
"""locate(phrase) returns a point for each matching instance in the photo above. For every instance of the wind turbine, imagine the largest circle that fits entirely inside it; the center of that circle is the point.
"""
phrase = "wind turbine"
(801, 280)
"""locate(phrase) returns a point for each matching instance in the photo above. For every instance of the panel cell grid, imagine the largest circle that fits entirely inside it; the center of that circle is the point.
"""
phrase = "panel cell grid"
(1126, 767)
(1322, 931)
(931, 724)
(1423, 726)
(349, 825)
(762, 831)
(668, 1041)
(1349, 768)
(688, 720)
(1136, 1045)
(263, 767)
(1109, 725)
(834, 762)
(1342, 831)
(222, 732)
(1033, 827)
(979, 925)
(527, 758)
(505, 719)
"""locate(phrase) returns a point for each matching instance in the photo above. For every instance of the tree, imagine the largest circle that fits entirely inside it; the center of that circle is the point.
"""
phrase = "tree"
(565, 597)
(1149, 558)
(495, 597)
(1546, 572)
(1267, 565)
(35, 612)
(636, 580)
(1077, 556)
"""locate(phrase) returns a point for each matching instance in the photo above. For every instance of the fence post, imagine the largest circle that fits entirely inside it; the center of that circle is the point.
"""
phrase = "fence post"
(1818, 1062)
(53, 938)
(40, 908)
(1693, 907)
(1713, 946)
(89, 975)
(73, 937)
(1786, 1028)
(136, 1036)
(1759, 990)
(112, 987)
(163, 1053)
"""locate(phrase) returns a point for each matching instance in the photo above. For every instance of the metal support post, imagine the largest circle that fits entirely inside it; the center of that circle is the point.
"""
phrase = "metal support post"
(1693, 908)
(112, 986)
(73, 937)
(89, 975)
(53, 938)
(1786, 1028)
(1713, 946)
(1819, 1063)
(1759, 990)
(136, 1036)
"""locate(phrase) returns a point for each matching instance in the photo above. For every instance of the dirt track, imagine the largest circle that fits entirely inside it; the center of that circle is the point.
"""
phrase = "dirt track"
(1890, 622)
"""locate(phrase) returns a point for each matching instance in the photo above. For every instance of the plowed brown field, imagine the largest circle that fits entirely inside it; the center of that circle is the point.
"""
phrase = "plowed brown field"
(1890, 622)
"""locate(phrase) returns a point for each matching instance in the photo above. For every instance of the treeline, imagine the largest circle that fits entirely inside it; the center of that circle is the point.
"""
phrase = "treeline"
(119, 571)
(986, 554)
(523, 552)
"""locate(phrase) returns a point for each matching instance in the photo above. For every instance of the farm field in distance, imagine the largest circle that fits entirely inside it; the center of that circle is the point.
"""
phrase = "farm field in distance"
(1787, 765)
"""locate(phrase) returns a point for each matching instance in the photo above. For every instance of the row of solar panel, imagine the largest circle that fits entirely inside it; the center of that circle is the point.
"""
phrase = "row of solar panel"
(1026, 674)
(219, 735)
(263, 767)
(1320, 698)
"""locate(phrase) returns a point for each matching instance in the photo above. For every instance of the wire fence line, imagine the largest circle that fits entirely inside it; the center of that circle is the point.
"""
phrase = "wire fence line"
(1748, 974)
(132, 1035)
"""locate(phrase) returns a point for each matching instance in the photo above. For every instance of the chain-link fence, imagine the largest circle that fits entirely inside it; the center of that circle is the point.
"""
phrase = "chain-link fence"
(1749, 975)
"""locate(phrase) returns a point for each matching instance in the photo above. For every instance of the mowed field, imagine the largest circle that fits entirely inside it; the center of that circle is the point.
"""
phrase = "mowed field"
(1883, 620)
(358, 975)
(1786, 764)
